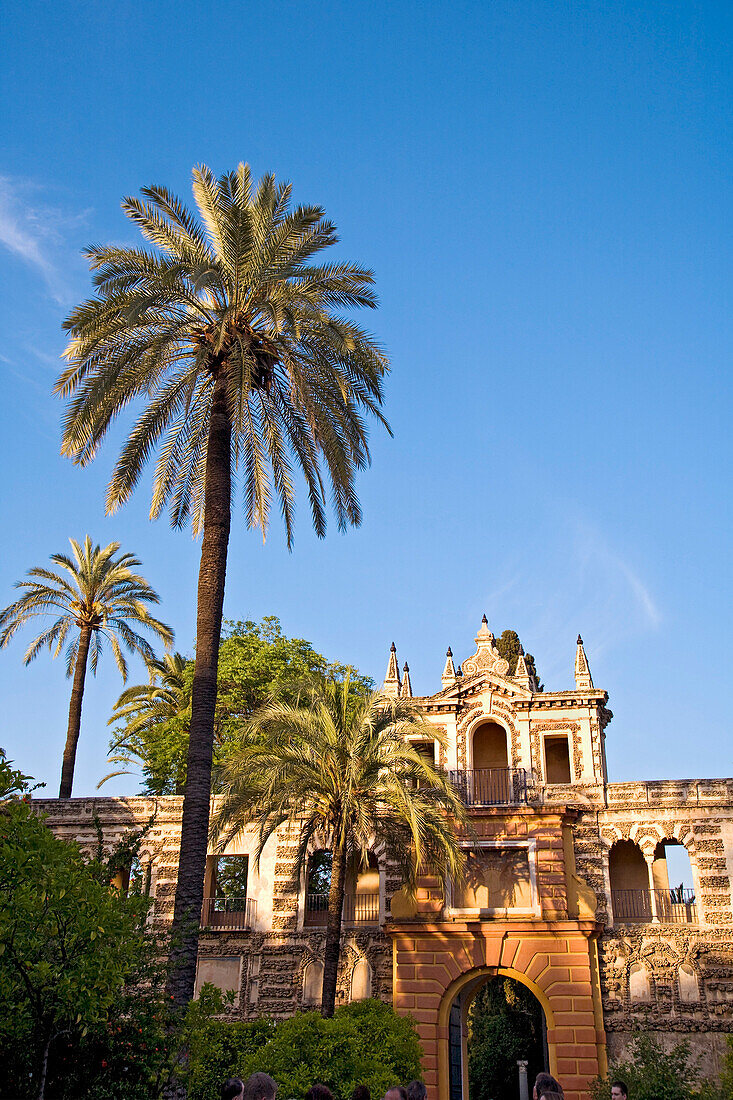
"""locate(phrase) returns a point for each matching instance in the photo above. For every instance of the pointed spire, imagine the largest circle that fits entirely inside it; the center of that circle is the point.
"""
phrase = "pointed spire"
(392, 682)
(583, 678)
(449, 672)
(521, 673)
(406, 689)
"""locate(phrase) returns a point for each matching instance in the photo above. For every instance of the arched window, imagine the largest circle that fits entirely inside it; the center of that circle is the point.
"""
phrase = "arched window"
(318, 883)
(361, 981)
(313, 983)
(489, 747)
(629, 882)
(687, 984)
(674, 887)
(639, 988)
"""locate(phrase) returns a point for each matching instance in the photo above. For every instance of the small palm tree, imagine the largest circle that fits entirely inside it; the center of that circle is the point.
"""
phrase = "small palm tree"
(341, 770)
(95, 600)
(140, 715)
(247, 361)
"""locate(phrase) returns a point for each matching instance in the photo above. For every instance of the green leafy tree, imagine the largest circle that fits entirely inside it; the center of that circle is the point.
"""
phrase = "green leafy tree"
(257, 662)
(343, 772)
(505, 1024)
(653, 1073)
(97, 598)
(510, 647)
(365, 1042)
(68, 941)
(248, 362)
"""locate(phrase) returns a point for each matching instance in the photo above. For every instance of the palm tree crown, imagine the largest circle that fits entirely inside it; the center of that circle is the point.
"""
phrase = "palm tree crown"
(343, 770)
(245, 357)
(94, 600)
(142, 711)
(234, 300)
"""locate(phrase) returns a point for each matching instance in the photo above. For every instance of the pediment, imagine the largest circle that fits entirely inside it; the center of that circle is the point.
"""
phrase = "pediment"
(479, 684)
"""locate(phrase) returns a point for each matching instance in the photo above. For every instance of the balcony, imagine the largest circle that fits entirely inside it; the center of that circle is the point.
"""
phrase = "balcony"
(673, 906)
(491, 786)
(229, 914)
(358, 909)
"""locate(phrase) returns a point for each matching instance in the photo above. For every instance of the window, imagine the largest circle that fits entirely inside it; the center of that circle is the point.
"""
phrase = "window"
(426, 749)
(229, 883)
(557, 759)
(224, 973)
(497, 879)
(318, 884)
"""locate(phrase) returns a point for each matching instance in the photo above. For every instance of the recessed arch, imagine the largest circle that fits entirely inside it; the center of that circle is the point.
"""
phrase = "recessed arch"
(469, 984)
(489, 741)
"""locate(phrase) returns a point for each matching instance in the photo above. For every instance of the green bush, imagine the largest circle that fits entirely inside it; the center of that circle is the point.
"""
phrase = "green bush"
(652, 1073)
(365, 1043)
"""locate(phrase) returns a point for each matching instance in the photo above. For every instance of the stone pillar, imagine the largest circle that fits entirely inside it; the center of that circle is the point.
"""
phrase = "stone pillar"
(652, 889)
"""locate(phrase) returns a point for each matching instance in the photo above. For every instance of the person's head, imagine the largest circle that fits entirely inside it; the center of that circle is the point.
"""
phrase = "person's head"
(319, 1092)
(361, 1092)
(259, 1087)
(545, 1082)
(416, 1091)
(551, 1096)
(619, 1091)
(397, 1092)
(232, 1089)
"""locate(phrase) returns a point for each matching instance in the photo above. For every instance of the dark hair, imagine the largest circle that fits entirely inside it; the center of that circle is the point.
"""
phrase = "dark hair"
(416, 1090)
(319, 1092)
(545, 1082)
(232, 1088)
(620, 1085)
(361, 1092)
(260, 1086)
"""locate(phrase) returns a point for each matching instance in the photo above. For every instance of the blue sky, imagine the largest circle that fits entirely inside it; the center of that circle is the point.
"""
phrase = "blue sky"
(544, 192)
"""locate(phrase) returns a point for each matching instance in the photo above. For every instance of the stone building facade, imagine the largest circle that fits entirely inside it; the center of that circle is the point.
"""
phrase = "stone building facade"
(567, 889)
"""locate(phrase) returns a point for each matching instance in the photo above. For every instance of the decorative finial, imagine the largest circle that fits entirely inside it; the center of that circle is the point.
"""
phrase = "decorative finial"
(459, 672)
(449, 672)
(392, 683)
(583, 678)
(406, 689)
(484, 620)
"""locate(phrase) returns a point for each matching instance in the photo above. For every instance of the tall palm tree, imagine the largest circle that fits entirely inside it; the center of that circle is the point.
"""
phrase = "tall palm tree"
(140, 714)
(95, 600)
(342, 771)
(247, 362)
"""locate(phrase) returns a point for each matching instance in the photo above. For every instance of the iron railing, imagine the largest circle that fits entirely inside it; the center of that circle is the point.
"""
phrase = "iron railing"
(675, 906)
(229, 914)
(490, 786)
(358, 908)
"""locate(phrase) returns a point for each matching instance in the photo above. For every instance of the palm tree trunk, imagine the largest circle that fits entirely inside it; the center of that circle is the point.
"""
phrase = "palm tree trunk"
(332, 949)
(197, 795)
(77, 695)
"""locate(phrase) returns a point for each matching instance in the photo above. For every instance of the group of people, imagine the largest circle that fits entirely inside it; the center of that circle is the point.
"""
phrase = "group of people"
(260, 1086)
(546, 1087)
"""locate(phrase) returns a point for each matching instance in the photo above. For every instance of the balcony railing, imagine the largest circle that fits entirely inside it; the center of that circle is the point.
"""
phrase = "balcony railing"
(229, 914)
(491, 786)
(358, 908)
(673, 906)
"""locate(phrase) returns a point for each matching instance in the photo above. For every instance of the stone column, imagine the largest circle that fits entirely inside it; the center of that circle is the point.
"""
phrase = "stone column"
(652, 889)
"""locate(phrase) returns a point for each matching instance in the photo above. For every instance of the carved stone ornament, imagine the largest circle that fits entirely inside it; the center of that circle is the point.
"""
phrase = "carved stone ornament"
(487, 657)
(660, 956)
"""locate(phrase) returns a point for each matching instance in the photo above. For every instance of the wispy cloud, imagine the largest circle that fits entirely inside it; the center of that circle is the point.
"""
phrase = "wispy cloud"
(588, 585)
(35, 233)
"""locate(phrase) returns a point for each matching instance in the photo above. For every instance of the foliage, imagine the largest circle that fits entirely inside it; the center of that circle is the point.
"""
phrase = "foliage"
(96, 598)
(364, 1043)
(509, 646)
(343, 771)
(257, 662)
(505, 1024)
(69, 942)
(653, 1073)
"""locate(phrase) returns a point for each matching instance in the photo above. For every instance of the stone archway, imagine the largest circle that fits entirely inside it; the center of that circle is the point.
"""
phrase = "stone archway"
(558, 962)
(463, 993)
